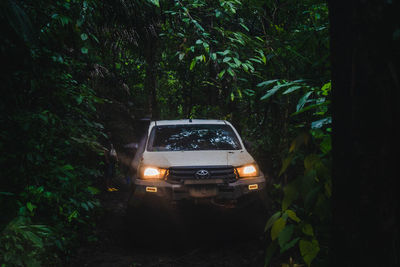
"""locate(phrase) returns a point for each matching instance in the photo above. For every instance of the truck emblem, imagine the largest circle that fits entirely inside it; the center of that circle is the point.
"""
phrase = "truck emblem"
(202, 174)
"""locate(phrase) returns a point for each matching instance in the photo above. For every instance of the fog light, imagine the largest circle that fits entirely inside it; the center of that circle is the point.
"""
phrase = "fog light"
(253, 186)
(151, 189)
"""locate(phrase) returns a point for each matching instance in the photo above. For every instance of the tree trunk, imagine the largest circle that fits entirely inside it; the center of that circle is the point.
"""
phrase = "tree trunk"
(365, 80)
(150, 83)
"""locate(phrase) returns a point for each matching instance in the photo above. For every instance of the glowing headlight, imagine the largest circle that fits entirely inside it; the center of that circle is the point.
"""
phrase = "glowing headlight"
(247, 171)
(153, 173)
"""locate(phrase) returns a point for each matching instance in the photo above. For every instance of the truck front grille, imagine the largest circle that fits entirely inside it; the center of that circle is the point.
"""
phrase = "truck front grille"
(179, 174)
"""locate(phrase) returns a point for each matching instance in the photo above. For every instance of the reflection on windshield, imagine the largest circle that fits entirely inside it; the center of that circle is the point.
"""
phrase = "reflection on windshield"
(193, 137)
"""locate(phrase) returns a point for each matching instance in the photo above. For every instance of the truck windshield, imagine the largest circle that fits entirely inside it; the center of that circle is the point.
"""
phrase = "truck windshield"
(193, 137)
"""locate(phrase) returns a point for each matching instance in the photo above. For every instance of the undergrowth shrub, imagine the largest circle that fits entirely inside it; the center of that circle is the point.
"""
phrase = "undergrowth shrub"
(299, 228)
(49, 132)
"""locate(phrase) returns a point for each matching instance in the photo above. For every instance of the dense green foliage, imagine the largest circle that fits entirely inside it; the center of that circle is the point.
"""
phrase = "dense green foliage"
(48, 132)
(263, 65)
(305, 214)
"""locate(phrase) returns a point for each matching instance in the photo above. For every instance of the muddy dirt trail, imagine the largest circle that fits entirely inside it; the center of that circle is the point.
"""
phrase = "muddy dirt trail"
(212, 237)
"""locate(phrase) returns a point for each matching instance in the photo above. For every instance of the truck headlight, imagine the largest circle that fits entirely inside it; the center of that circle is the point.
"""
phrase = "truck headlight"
(247, 171)
(153, 173)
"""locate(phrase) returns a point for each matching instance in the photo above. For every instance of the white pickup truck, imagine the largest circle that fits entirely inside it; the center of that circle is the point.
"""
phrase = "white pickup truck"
(193, 160)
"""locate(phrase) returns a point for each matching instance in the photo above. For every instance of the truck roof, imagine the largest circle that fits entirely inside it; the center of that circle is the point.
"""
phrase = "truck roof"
(187, 122)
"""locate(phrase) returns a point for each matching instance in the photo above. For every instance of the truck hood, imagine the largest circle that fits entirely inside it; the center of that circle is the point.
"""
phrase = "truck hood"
(196, 158)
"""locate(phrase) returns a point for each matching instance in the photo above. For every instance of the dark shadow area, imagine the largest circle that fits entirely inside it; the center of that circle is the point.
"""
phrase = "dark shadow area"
(188, 234)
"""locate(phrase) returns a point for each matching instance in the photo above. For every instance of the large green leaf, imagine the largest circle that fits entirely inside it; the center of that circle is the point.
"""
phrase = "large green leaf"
(309, 250)
(285, 235)
(307, 229)
(311, 107)
(289, 245)
(221, 74)
(326, 88)
(237, 61)
(192, 64)
(319, 123)
(226, 59)
(303, 100)
(292, 89)
(227, 51)
(272, 219)
(272, 91)
(266, 83)
(277, 227)
(155, 2)
(206, 47)
(249, 92)
(292, 215)
(231, 72)
(291, 192)
(244, 26)
(213, 56)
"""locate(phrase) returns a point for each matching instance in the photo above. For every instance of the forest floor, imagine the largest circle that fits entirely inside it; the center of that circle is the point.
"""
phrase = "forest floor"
(203, 246)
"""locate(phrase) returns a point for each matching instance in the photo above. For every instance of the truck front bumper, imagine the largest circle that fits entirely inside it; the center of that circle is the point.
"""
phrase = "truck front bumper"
(193, 190)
